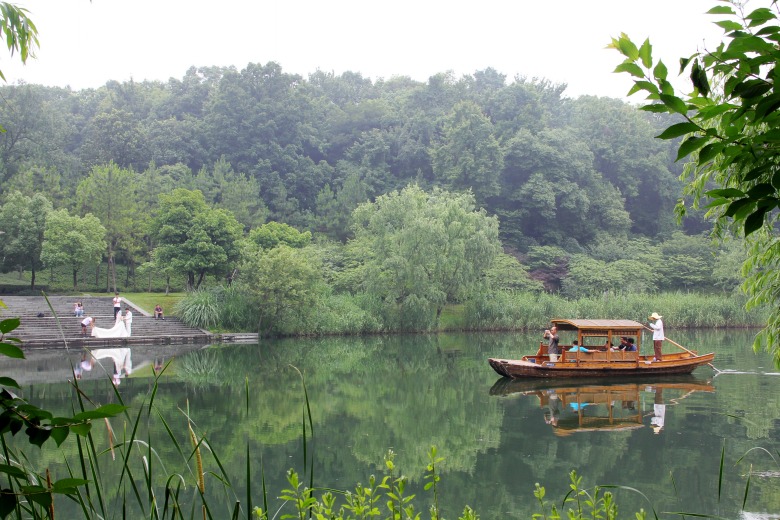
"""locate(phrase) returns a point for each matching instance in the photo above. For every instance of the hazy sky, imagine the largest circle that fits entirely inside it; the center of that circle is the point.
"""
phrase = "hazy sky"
(85, 44)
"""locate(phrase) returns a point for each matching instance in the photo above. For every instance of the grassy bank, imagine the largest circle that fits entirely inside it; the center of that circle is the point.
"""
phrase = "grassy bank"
(147, 301)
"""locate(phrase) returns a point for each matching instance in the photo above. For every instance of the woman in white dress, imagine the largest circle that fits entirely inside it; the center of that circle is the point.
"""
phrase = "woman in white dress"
(117, 331)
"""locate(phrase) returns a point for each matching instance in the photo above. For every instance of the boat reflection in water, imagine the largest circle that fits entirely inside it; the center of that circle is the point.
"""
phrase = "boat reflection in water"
(590, 406)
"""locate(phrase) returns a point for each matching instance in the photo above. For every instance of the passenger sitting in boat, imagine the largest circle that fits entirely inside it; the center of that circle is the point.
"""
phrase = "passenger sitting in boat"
(575, 347)
(626, 344)
(623, 344)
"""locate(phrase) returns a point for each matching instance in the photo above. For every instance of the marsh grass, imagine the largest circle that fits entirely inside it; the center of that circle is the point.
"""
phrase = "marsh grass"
(521, 311)
(201, 308)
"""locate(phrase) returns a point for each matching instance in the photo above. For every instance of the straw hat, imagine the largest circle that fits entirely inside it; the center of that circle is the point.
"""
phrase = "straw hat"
(655, 316)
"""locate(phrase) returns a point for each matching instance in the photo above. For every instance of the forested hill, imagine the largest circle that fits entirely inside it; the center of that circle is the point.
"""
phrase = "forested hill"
(276, 146)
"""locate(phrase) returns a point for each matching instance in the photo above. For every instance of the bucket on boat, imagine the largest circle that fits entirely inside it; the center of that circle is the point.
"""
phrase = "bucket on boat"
(553, 358)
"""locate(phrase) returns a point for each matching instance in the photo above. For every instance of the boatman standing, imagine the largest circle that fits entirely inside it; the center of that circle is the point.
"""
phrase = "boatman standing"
(552, 343)
(658, 334)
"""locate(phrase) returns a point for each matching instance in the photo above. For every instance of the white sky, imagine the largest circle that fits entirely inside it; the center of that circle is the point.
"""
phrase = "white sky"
(85, 44)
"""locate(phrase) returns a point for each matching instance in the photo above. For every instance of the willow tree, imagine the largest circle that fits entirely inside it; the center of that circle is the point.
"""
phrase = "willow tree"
(424, 250)
(730, 129)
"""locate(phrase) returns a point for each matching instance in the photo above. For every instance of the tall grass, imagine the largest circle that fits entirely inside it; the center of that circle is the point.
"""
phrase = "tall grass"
(221, 308)
(510, 311)
(200, 309)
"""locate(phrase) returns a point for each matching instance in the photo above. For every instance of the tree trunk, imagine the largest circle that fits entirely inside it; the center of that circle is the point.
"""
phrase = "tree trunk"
(167, 284)
(75, 279)
(97, 275)
(112, 270)
(32, 279)
(200, 279)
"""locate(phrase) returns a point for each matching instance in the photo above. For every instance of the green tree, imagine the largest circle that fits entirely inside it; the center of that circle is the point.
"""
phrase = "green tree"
(194, 239)
(235, 192)
(424, 250)
(22, 224)
(729, 127)
(109, 194)
(285, 282)
(72, 241)
(468, 155)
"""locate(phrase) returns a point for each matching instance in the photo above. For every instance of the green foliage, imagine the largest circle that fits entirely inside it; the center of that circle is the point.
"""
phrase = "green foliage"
(508, 273)
(582, 503)
(193, 239)
(272, 234)
(72, 241)
(502, 310)
(728, 125)
(589, 277)
(22, 225)
(109, 194)
(423, 250)
(284, 283)
(200, 308)
(18, 31)
(468, 155)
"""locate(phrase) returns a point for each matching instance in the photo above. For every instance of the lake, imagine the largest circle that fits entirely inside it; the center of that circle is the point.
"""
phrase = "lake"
(498, 437)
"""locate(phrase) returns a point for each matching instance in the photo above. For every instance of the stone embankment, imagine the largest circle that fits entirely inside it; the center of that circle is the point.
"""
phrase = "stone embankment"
(40, 328)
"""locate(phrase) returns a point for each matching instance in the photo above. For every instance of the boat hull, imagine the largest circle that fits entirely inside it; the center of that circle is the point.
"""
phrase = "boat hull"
(542, 367)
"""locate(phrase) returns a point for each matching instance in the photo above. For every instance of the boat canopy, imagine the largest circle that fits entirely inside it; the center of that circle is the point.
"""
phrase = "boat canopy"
(591, 325)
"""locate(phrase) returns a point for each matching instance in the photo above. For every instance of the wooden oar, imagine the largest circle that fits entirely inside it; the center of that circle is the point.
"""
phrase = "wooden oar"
(685, 349)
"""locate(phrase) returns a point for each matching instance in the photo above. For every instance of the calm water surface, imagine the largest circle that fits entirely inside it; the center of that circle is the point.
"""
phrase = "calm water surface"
(663, 437)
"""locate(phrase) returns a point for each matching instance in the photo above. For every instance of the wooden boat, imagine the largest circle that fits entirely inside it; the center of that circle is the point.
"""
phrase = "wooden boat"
(602, 361)
(603, 407)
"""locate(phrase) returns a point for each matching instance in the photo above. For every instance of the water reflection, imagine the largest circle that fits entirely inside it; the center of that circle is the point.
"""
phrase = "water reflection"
(573, 406)
(120, 361)
(407, 393)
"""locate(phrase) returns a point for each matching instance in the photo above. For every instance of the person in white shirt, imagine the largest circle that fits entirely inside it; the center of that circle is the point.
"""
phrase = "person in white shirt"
(658, 334)
(128, 321)
(86, 322)
(117, 304)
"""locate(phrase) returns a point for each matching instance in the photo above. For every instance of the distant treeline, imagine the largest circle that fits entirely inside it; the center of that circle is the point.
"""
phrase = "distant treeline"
(276, 146)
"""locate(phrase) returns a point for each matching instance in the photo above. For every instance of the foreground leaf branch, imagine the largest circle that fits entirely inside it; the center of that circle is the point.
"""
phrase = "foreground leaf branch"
(730, 134)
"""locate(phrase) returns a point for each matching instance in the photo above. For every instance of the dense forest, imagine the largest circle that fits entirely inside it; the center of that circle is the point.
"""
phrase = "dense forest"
(582, 192)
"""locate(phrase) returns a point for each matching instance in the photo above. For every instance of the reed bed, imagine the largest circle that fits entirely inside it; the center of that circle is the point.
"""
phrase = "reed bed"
(521, 311)
(345, 314)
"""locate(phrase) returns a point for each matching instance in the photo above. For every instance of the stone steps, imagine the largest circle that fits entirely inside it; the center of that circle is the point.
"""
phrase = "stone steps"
(42, 332)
